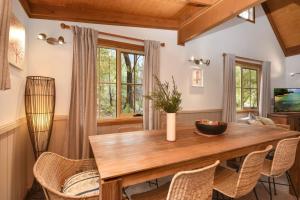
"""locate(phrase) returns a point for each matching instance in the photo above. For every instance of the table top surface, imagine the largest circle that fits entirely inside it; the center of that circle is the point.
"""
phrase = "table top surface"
(126, 153)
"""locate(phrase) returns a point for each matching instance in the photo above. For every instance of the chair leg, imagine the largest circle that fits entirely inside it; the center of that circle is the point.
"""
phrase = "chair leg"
(156, 182)
(256, 196)
(274, 185)
(291, 182)
(270, 188)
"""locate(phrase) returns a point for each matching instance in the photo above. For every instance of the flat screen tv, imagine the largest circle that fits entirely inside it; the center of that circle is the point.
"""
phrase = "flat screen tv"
(287, 100)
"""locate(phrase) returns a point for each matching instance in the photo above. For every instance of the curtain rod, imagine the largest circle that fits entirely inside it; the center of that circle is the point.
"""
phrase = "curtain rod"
(243, 58)
(65, 26)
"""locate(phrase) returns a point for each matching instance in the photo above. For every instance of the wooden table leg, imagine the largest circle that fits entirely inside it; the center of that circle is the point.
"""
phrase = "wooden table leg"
(111, 190)
(295, 172)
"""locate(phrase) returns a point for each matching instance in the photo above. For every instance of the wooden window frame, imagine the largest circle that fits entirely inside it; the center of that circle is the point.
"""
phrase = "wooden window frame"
(120, 48)
(251, 66)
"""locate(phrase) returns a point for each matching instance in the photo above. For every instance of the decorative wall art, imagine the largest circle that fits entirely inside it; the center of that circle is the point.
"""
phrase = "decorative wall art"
(16, 47)
(197, 77)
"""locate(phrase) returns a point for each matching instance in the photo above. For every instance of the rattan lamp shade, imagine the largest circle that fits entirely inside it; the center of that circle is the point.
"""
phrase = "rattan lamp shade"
(39, 108)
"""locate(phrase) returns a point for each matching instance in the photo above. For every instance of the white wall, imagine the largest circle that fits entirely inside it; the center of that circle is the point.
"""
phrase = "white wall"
(56, 61)
(242, 39)
(12, 101)
(292, 66)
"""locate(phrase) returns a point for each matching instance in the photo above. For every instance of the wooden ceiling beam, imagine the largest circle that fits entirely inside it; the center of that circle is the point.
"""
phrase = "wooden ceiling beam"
(218, 13)
(101, 17)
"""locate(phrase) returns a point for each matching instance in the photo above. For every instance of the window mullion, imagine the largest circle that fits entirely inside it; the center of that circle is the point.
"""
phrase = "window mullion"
(119, 85)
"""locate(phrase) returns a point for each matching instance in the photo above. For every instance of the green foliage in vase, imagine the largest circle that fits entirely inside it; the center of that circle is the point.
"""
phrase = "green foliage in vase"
(165, 97)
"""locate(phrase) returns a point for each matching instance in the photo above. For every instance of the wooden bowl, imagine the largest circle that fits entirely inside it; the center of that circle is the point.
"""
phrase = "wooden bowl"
(210, 127)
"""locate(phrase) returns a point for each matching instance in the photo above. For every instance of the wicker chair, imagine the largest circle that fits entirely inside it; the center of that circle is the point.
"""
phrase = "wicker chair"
(187, 185)
(51, 170)
(237, 184)
(283, 160)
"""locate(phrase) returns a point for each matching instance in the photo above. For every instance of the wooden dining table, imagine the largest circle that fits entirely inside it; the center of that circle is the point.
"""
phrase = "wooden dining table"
(125, 159)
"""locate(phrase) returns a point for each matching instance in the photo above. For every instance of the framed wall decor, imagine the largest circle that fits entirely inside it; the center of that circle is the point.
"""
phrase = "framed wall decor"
(16, 47)
(197, 77)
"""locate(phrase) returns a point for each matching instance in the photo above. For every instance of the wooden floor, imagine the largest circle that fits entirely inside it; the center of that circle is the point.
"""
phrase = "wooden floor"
(282, 191)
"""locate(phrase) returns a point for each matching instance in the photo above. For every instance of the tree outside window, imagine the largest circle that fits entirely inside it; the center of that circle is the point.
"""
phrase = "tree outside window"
(247, 86)
(119, 88)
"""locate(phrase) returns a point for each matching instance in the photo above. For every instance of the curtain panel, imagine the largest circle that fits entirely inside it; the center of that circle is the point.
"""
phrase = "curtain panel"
(265, 90)
(5, 13)
(82, 114)
(151, 116)
(229, 89)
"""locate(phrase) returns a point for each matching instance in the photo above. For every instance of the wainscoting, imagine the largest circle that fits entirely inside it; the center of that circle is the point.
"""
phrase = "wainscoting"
(16, 158)
(188, 117)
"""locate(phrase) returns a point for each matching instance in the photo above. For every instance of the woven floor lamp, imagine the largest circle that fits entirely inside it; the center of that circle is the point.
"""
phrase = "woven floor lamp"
(39, 108)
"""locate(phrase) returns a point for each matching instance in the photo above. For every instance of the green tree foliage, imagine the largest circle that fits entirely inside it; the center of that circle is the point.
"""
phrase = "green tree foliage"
(165, 97)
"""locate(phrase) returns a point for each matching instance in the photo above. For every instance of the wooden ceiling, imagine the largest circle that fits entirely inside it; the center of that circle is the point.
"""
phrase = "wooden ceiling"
(284, 17)
(189, 17)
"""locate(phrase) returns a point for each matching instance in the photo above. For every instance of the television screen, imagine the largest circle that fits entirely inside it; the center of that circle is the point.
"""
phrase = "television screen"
(287, 100)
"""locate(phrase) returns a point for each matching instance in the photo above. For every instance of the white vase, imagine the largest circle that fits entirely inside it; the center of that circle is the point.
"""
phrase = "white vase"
(171, 127)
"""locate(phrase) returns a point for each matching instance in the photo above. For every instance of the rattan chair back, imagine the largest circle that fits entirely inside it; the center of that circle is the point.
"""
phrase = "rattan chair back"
(51, 170)
(193, 185)
(284, 156)
(250, 171)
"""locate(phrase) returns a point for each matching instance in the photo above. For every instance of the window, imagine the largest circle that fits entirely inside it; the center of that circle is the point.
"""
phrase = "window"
(248, 15)
(247, 86)
(119, 82)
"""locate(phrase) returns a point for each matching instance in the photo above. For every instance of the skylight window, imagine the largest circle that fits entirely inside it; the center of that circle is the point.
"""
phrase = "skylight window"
(248, 15)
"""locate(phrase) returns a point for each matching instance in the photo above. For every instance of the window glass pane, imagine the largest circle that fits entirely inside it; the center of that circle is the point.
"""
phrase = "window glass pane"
(107, 101)
(238, 76)
(254, 98)
(139, 69)
(139, 99)
(253, 79)
(246, 98)
(106, 65)
(127, 99)
(127, 64)
(238, 99)
(246, 78)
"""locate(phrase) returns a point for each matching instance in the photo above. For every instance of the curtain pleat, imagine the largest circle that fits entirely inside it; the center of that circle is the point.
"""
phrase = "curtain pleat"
(151, 116)
(229, 89)
(82, 114)
(265, 90)
(5, 13)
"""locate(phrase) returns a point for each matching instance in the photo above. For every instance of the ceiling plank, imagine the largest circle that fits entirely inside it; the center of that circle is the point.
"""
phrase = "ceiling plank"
(102, 17)
(275, 29)
(200, 2)
(218, 13)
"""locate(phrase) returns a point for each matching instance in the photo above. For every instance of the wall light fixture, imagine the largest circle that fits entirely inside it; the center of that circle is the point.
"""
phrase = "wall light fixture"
(199, 61)
(51, 40)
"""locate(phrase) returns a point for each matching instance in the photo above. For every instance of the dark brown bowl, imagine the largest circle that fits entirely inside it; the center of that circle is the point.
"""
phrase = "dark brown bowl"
(211, 127)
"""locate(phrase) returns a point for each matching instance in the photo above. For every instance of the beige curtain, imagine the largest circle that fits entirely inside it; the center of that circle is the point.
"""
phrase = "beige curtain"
(265, 90)
(151, 116)
(82, 115)
(5, 12)
(229, 90)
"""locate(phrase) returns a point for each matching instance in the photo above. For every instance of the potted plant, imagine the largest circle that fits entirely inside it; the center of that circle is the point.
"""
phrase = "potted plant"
(168, 99)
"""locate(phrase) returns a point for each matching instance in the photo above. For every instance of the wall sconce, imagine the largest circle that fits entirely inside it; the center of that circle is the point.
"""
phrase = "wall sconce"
(51, 40)
(199, 61)
(293, 74)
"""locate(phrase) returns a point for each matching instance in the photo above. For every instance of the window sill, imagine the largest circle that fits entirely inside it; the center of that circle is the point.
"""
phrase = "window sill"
(120, 121)
(248, 111)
